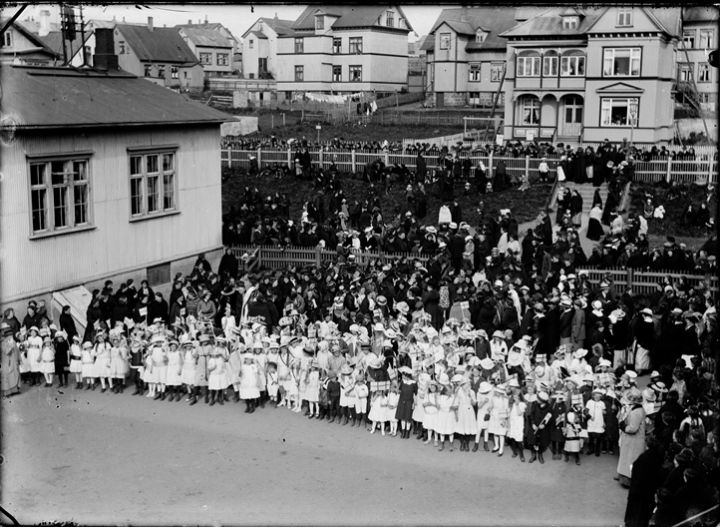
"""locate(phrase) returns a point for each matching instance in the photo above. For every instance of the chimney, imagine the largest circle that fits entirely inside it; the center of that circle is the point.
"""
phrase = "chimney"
(150, 23)
(189, 22)
(44, 23)
(105, 58)
(206, 19)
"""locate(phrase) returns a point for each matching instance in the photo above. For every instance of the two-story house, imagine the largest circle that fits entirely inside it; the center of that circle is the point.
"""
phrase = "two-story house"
(211, 46)
(113, 177)
(584, 75)
(699, 38)
(159, 54)
(345, 49)
(466, 54)
(259, 53)
(19, 45)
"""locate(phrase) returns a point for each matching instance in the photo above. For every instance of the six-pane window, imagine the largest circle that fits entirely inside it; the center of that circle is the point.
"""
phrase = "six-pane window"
(299, 45)
(152, 183)
(59, 195)
(618, 111)
(529, 110)
(206, 58)
(355, 73)
(528, 65)
(689, 38)
(550, 65)
(624, 17)
(356, 45)
(390, 19)
(337, 45)
(161, 72)
(319, 23)
(299, 73)
(706, 39)
(684, 69)
(474, 73)
(496, 71)
(621, 62)
(174, 72)
(337, 73)
(222, 59)
(703, 72)
(572, 65)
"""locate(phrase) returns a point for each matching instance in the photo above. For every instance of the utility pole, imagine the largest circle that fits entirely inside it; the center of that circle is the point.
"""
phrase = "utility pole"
(82, 38)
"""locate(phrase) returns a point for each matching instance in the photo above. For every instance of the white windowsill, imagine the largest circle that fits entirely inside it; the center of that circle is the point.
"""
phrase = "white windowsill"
(153, 216)
(62, 232)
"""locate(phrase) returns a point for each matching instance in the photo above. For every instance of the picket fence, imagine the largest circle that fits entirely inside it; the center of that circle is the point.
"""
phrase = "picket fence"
(701, 171)
(639, 282)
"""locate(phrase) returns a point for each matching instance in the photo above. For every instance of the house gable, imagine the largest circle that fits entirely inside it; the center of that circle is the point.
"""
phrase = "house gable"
(620, 88)
(642, 22)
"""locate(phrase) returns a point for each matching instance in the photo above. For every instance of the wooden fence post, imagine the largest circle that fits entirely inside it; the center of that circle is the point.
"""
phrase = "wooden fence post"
(289, 158)
(320, 159)
(527, 168)
(710, 170)
(352, 159)
(317, 256)
(669, 166)
(387, 158)
(490, 164)
(229, 158)
(259, 153)
(629, 279)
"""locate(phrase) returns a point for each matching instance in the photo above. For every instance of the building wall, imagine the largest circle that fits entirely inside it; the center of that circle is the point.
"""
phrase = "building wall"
(384, 62)
(697, 56)
(115, 245)
(127, 61)
(213, 69)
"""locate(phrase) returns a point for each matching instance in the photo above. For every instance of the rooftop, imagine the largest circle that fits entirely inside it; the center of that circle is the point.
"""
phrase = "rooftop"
(348, 16)
(49, 97)
(159, 44)
(204, 36)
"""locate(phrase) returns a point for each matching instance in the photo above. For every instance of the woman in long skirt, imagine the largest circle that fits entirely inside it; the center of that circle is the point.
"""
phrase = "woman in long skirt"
(498, 422)
(516, 426)
(9, 362)
(408, 389)
(483, 415)
(595, 229)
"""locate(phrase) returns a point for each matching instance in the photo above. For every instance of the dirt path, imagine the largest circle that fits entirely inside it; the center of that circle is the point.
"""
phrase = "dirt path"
(106, 458)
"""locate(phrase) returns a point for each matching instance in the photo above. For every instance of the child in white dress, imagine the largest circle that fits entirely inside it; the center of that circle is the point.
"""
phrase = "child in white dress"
(249, 391)
(446, 417)
(378, 411)
(47, 358)
(392, 404)
(272, 382)
(430, 413)
(483, 415)
(173, 375)
(361, 397)
(312, 389)
(33, 347)
(76, 361)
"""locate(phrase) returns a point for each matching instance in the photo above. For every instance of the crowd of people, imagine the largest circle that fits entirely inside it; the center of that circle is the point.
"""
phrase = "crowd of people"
(551, 368)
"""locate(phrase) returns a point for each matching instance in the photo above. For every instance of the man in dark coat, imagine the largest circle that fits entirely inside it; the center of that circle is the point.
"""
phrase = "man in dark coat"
(228, 267)
(421, 170)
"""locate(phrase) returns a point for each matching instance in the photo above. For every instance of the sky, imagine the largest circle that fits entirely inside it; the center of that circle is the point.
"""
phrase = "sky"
(236, 17)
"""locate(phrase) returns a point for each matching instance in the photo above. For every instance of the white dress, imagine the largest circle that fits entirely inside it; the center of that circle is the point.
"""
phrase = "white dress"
(430, 417)
(216, 373)
(483, 410)
(159, 365)
(173, 375)
(499, 413)
(596, 418)
(347, 397)
(47, 356)
(88, 363)
(445, 417)
(516, 426)
(418, 410)
(118, 362)
(33, 346)
(378, 409)
(75, 359)
(361, 395)
(102, 359)
(312, 386)
(467, 421)
(188, 368)
(392, 402)
(248, 381)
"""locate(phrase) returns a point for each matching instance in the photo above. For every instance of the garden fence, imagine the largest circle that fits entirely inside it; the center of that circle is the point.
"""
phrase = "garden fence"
(701, 171)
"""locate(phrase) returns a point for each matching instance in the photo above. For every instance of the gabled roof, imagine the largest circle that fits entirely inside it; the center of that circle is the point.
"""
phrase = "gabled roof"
(54, 41)
(550, 23)
(701, 14)
(466, 21)
(159, 45)
(278, 25)
(32, 37)
(348, 16)
(45, 97)
(202, 36)
(258, 34)
(667, 19)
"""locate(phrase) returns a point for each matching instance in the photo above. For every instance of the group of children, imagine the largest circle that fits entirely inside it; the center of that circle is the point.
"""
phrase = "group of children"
(439, 393)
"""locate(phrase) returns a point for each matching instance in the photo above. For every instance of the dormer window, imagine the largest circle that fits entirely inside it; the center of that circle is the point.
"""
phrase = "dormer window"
(570, 22)
(390, 19)
(319, 22)
(480, 36)
(624, 17)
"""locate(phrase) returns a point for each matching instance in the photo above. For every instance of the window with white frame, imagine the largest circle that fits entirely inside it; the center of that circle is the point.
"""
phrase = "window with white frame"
(496, 71)
(706, 39)
(572, 64)
(206, 58)
(222, 59)
(390, 19)
(148, 70)
(152, 183)
(619, 111)
(529, 110)
(703, 72)
(624, 17)
(528, 64)
(684, 70)
(474, 73)
(299, 45)
(356, 45)
(299, 73)
(337, 73)
(621, 62)
(59, 195)
(550, 64)
(251, 44)
(573, 109)
(337, 45)
(174, 72)
(7, 39)
(689, 38)
(355, 73)
(570, 22)
(480, 36)
(161, 72)
(444, 40)
(122, 50)
(319, 22)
